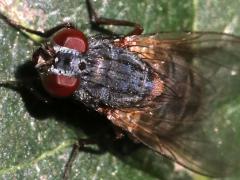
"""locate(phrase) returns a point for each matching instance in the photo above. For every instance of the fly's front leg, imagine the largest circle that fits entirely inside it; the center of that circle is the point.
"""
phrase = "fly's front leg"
(46, 34)
(96, 21)
(19, 86)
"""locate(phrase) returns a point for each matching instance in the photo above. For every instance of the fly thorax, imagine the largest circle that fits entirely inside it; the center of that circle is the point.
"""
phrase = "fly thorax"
(114, 77)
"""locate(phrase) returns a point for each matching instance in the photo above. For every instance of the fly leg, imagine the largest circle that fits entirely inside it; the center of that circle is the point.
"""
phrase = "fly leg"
(77, 147)
(119, 133)
(46, 34)
(124, 120)
(96, 21)
(18, 86)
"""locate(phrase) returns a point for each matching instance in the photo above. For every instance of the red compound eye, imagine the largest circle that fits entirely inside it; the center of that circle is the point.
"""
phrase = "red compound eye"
(71, 38)
(60, 85)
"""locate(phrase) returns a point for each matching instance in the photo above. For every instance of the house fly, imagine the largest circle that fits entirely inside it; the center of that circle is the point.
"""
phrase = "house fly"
(170, 91)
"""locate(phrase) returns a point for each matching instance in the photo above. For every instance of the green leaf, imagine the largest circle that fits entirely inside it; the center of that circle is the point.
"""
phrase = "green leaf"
(36, 140)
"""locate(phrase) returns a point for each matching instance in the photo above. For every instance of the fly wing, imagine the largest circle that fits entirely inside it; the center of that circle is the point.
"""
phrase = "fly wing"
(196, 120)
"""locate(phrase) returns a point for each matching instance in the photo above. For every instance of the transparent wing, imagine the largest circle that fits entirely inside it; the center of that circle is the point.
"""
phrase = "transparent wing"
(196, 121)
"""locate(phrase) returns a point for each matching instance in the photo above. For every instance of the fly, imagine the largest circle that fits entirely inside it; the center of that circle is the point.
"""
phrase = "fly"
(161, 89)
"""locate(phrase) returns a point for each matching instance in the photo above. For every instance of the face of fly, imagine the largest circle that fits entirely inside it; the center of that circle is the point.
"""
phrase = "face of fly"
(59, 69)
